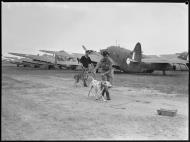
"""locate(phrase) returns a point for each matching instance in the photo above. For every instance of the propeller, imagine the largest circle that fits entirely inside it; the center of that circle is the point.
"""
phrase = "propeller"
(86, 50)
(84, 47)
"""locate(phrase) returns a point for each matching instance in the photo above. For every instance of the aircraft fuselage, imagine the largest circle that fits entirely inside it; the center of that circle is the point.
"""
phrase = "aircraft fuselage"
(120, 56)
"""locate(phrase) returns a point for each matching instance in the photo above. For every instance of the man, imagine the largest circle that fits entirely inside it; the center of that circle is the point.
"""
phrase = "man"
(86, 62)
(107, 72)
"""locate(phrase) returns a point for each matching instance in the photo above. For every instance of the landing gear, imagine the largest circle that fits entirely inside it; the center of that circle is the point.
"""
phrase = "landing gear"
(36, 66)
(73, 67)
(149, 71)
(50, 67)
(164, 72)
(174, 67)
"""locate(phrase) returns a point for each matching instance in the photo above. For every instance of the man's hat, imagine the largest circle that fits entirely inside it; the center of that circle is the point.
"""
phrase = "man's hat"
(105, 53)
(87, 51)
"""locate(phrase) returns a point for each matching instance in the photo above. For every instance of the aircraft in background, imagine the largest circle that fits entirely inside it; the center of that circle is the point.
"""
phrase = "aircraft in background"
(5, 60)
(60, 55)
(175, 59)
(49, 61)
(25, 62)
(8, 59)
(64, 56)
(183, 55)
(72, 59)
(134, 61)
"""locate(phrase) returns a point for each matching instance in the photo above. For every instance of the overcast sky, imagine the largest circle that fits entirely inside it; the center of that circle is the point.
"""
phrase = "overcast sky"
(161, 28)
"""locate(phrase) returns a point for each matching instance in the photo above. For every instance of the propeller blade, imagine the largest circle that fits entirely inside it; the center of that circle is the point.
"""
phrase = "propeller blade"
(84, 47)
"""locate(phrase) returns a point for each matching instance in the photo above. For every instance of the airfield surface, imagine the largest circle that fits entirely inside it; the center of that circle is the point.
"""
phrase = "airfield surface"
(44, 105)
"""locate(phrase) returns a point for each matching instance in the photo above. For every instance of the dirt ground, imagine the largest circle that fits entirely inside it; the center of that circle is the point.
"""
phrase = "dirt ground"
(44, 105)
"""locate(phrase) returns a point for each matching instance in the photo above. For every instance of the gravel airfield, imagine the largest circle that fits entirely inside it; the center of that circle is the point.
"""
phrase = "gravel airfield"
(42, 104)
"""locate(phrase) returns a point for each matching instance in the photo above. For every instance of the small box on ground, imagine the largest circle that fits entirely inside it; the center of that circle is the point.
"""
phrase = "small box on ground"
(167, 112)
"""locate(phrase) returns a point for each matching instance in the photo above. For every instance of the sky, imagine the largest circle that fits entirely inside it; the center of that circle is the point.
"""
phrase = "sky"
(161, 28)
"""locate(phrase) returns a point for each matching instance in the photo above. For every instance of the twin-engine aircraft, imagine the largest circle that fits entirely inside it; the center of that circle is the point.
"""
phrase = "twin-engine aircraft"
(73, 57)
(49, 61)
(136, 62)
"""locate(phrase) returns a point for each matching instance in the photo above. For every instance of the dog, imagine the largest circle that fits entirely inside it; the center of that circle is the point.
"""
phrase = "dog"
(80, 76)
(98, 88)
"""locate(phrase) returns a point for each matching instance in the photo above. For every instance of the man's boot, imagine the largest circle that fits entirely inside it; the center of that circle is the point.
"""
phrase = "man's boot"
(85, 85)
(108, 95)
(103, 92)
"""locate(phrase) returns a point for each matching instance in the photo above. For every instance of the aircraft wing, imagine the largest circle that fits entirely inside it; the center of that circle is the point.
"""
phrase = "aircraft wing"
(20, 54)
(159, 63)
(36, 58)
(77, 55)
(10, 57)
(48, 51)
(163, 59)
(61, 53)
(31, 61)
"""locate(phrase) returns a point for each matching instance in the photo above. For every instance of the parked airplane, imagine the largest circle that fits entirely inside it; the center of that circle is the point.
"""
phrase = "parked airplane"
(64, 56)
(134, 61)
(72, 59)
(175, 59)
(5, 60)
(183, 55)
(24, 62)
(49, 61)
(60, 55)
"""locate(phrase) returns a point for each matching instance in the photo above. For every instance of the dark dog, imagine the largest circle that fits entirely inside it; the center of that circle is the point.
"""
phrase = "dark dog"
(81, 76)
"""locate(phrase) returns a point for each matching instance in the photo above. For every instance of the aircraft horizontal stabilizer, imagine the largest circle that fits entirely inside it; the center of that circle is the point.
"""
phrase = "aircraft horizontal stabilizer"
(48, 51)
(19, 54)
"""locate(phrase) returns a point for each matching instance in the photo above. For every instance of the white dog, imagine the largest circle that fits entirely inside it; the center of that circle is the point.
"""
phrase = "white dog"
(97, 85)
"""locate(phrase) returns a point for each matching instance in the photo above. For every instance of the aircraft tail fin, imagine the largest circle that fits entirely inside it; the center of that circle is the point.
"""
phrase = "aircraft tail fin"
(137, 53)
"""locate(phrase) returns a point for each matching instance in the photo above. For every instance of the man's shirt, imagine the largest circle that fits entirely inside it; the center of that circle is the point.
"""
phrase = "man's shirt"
(85, 61)
(105, 64)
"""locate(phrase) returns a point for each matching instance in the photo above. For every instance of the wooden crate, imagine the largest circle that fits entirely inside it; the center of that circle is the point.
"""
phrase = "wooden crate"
(167, 112)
